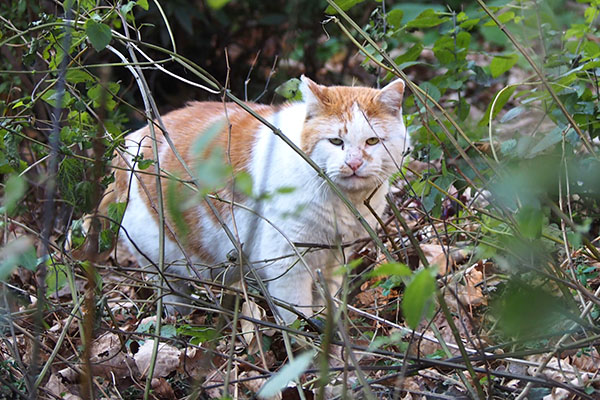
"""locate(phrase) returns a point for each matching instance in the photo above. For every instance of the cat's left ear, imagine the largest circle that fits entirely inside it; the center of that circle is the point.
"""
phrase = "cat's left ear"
(313, 94)
(392, 94)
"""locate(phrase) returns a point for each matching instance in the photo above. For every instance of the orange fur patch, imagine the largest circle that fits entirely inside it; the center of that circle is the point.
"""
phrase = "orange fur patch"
(184, 126)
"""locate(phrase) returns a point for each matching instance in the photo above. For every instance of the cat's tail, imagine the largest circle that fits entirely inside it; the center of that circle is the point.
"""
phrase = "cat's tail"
(92, 238)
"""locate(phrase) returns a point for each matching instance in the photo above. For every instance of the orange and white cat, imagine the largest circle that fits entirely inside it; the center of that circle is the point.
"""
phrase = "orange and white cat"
(356, 135)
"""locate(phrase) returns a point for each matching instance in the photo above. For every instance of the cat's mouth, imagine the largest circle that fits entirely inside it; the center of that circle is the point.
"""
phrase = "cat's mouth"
(354, 181)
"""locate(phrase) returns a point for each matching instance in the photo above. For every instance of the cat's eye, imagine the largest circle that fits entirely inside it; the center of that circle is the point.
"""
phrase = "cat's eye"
(336, 141)
(372, 141)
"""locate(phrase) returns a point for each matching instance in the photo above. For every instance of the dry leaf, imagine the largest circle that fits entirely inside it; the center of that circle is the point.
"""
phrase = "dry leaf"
(445, 258)
(195, 362)
(167, 359)
(251, 310)
(60, 390)
(587, 362)
(108, 358)
(162, 389)
(253, 385)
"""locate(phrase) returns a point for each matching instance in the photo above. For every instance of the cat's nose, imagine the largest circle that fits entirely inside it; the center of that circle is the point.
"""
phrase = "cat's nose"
(354, 163)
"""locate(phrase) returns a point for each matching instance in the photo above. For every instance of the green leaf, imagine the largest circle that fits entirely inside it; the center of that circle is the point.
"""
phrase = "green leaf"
(125, 8)
(504, 18)
(168, 331)
(18, 252)
(97, 91)
(99, 34)
(417, 301)
(500, 102)
(290, 89)
(203, 140)
(387, 269)
(106, 240)
(394, 18)
(508, 146)
(52, 96)
(56, 278)
(288, 373)
(199, 334)
(144, 164)
(115, 212)
(243, 183)
(78, 75)
(345, 5)
(501, 64)
(411, 54)
(217, 4)
(285, 189)
(427, 19)
(14, 190)
(143, 4)
(551, 138)
(70, 173)
(530, 220)
(512, 113)
(470, 23)
(175, 206)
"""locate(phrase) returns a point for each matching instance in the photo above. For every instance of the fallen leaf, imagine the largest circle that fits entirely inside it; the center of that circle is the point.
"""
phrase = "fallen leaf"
(167, 359)
(251, 310)
(253, 385)
(162, 389)
(59, 389)
(108, 357)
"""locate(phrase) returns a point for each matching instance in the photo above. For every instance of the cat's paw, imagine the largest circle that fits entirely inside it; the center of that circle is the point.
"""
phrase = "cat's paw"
(174, 304)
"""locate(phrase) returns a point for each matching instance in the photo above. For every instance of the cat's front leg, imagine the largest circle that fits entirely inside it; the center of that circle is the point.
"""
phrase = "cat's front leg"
(293, 287)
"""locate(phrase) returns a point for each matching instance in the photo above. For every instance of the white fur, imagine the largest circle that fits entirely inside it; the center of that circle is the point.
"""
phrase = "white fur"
(312, 213)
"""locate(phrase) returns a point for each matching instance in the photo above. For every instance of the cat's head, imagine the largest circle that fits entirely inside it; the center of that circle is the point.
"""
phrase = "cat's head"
(355, 134)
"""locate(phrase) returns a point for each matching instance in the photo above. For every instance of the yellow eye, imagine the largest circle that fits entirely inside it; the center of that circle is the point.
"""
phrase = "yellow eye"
(336, 141)
(372, 141)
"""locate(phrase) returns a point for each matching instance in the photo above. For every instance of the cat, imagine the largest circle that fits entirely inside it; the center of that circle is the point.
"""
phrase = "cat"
(356, 135)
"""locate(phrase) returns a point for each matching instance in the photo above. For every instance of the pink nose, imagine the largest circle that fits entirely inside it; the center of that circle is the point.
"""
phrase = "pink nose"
(354, 163)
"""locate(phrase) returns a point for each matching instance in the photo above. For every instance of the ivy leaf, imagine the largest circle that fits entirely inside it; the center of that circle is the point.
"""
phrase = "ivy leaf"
(418, 297)
(501, 64)
(99, 34)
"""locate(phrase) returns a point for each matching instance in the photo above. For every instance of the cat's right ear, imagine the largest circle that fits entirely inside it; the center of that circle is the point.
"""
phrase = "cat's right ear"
(313, 94)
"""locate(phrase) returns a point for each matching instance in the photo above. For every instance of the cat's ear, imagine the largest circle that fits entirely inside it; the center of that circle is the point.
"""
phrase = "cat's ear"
(391, 95)
(313, 94)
